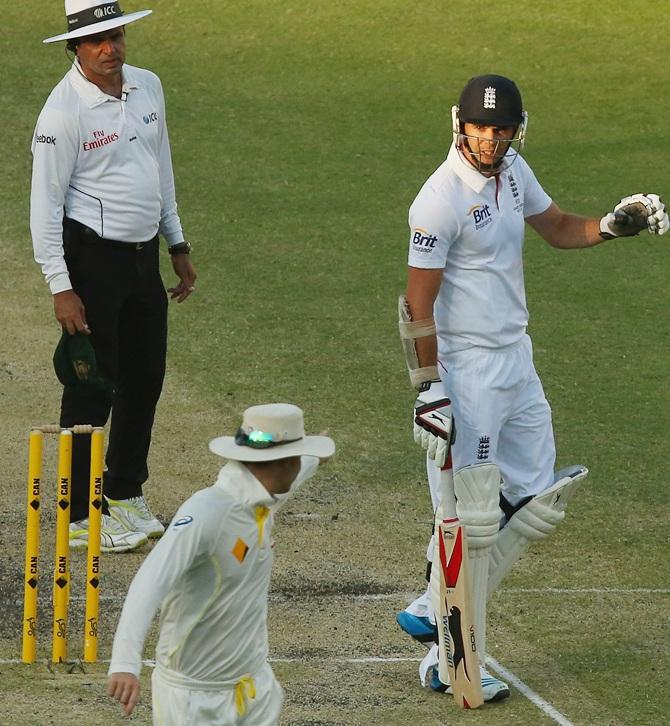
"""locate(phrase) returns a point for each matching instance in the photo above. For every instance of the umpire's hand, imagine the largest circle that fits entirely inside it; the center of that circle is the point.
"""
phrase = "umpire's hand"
(125, 688)
(186, 273)
(70, 312)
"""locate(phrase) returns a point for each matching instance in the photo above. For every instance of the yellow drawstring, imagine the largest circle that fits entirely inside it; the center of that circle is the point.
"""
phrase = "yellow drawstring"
(246, 688)
(262, 514)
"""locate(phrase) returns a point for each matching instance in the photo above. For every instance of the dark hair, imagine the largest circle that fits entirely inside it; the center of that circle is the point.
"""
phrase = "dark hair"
(72, 44)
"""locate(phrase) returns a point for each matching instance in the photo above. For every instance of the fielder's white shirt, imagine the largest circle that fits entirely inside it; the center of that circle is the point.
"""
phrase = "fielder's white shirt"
(209, 574)
(103, 161)
(473, 227)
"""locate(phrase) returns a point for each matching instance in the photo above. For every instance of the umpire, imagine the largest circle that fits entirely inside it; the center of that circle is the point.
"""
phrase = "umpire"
(102, 191)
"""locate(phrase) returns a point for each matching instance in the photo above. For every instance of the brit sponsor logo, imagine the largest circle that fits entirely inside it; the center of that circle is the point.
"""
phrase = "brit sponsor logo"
(489, 97)
(43, 139)
(149, 118)
(422, 240)
(481, 215)
(100, 138)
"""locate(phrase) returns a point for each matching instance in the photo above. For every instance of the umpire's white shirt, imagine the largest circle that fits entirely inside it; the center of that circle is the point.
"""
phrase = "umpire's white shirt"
(210, 574)
(473, 228)
(103, 161)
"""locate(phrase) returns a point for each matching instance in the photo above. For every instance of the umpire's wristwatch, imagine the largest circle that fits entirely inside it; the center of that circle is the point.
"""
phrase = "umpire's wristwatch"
(181, 248)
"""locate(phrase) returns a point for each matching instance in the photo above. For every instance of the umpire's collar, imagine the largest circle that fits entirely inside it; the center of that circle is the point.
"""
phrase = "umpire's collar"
(90, 93)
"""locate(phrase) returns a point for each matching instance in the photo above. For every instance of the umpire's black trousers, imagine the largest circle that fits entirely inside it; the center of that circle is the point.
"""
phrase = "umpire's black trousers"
(126, 310)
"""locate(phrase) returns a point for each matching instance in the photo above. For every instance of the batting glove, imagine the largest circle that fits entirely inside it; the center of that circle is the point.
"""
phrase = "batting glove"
(432, 421)
(633, 214)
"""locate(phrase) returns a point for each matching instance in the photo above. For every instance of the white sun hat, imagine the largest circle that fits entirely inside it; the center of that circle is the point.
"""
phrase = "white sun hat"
(269, 432)
(88, 17)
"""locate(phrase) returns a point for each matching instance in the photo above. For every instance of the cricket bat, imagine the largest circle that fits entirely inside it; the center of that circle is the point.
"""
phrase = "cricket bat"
(457, 638)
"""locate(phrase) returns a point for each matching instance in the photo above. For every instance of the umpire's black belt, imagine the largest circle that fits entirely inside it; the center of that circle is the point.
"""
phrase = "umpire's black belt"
(82, 233)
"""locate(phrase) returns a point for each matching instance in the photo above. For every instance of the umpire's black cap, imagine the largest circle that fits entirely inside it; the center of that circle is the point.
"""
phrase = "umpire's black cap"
(491, 101)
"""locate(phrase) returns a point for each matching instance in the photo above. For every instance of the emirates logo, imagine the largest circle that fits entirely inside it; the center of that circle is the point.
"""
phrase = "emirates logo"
(489, 97)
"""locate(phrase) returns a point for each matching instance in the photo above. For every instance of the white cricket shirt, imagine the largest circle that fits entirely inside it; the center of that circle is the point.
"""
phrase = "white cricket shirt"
(473, 227)
(103, 161)
(209, 574)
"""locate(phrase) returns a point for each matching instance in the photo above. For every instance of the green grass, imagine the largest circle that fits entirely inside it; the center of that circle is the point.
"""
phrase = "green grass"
(301, 132)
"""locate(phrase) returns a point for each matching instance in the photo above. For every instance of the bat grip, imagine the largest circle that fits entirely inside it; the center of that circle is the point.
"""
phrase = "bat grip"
(448, 498)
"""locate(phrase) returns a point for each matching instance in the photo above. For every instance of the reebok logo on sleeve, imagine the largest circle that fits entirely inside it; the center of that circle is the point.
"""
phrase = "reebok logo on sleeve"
(44, 139)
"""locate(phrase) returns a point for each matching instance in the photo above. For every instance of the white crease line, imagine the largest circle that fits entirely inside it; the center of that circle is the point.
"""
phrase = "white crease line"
(152, 663)
(529, 693)
(372, 597)
(595, 590)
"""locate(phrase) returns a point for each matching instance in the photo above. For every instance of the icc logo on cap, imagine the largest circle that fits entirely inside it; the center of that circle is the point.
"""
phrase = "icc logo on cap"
(104, 12)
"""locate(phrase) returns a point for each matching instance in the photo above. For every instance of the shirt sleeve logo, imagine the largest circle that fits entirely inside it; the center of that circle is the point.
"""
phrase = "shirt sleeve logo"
(43, 139)
(150, 118)
(422, 240)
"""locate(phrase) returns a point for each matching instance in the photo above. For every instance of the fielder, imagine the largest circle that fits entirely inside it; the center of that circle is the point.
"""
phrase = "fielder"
(210, 575)
(463, 324)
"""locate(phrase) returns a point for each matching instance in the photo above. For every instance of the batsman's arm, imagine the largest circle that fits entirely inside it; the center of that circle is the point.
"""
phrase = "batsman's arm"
(564, 230)
(630, 216)
(432, 410)
(423, 285)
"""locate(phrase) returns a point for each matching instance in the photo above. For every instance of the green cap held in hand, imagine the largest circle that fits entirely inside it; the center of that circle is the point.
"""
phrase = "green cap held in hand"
(75, 364)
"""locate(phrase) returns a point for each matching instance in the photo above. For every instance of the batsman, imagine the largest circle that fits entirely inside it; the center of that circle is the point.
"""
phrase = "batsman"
(481, 412)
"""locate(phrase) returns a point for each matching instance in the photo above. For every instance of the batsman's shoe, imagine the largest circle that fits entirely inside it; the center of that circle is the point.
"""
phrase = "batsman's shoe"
(134, 514)
(114, 537)
(493, 688)
(420, 628)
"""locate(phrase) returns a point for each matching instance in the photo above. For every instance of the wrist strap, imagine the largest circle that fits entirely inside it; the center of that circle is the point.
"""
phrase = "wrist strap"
(181, 248)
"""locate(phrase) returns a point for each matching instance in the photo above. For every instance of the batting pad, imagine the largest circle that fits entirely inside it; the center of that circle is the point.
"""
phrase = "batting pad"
(434, 582)
(477, 490)
(534, 521)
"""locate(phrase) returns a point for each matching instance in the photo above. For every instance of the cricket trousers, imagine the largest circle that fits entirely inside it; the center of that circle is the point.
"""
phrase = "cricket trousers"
(501, 415)
(126, 310)
(253, 701)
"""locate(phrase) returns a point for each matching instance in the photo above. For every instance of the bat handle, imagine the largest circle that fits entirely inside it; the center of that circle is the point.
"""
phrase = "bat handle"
(447, 493)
